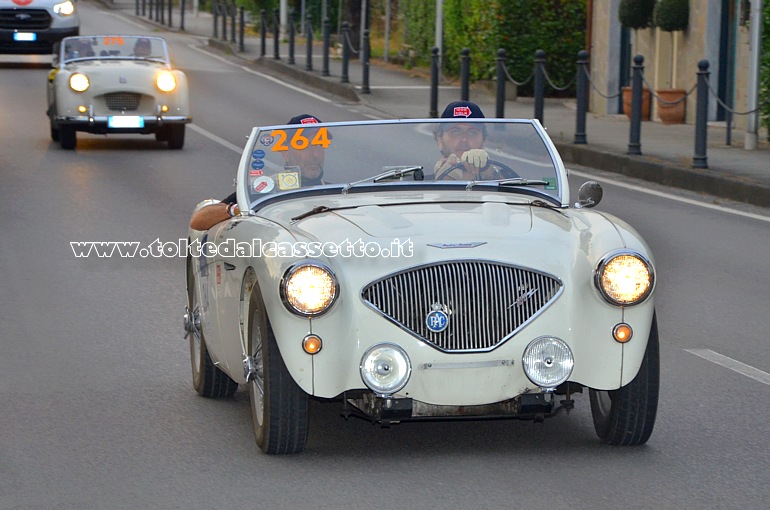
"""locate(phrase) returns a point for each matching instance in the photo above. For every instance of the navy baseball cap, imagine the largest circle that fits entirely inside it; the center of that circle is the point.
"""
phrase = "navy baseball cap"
(304, 119)
(462, 110)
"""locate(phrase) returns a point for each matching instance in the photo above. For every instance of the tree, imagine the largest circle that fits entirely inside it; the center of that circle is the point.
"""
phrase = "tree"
(636, 14)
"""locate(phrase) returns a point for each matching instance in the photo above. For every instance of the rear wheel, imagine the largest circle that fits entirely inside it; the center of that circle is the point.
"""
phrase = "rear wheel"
(175, 136)
(67, 137)
(279, 407)
(208, 379)
(626, 416)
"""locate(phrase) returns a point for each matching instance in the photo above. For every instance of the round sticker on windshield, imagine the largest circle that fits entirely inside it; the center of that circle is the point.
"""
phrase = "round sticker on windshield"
(263, 184)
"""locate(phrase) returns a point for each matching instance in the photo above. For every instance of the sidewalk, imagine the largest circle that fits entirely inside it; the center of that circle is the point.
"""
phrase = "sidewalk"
(667, 150)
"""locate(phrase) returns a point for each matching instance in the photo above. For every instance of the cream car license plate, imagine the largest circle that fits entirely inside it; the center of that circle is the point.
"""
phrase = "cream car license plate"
(125, 122)
(24, 36)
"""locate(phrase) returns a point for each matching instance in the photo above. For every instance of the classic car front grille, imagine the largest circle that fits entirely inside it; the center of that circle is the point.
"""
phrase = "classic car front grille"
(486, 302)
(24, 19)
(123, 101)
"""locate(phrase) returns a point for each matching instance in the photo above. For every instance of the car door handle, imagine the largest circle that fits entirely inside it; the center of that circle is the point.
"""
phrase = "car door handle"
(229, 267)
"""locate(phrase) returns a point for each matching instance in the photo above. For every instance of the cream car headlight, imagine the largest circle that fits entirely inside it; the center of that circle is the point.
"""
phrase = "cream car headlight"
(309, 289)
(548, 361)
(79, 82)
(385, 368)
(65, 8)
(166, 81)
(625, 278)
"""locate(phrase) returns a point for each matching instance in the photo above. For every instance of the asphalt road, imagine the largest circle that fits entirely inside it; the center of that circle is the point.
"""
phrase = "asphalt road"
(96, 404)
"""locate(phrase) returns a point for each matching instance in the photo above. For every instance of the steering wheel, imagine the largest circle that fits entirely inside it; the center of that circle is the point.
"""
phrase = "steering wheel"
(503, 170)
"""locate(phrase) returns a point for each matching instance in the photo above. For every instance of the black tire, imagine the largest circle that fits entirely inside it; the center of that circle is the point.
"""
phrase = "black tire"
(68, 137)
(161, 134)
(175, 136)
(626, 416)
(54, 133)
(208, 380)
(279, 407)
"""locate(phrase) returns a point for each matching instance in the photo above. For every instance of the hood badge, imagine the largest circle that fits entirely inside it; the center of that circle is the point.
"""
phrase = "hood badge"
(437, 319)
(123, 79)
(445, 246)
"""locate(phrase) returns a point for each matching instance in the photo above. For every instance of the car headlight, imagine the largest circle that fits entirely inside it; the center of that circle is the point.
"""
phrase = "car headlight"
(385, 368)
(79, 82)
(65, 8)
(166, 81)
(548, 361)
(309, 289)
(625, 278)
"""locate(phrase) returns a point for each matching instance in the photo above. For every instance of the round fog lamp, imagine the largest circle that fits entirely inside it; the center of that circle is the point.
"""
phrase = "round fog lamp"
(385, 368)
(548, 361)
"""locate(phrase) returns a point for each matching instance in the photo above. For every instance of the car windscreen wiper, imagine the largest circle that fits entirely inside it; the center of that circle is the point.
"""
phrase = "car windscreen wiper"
(396, 172)
(522, 182)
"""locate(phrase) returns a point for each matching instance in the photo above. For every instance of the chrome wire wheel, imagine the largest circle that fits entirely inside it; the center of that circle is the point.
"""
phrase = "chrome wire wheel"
(257, 382)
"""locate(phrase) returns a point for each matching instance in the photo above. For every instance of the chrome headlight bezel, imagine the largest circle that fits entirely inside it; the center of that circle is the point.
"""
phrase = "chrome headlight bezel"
(602, 278)
(369, 366)
(292, 302)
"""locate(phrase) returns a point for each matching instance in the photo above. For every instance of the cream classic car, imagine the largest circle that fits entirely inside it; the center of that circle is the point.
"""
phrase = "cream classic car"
(116, 84)
(33, 26)
(403, 297)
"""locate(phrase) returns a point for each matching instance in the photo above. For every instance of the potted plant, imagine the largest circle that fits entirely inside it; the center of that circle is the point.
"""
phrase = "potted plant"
(636, 14)
(672, 16)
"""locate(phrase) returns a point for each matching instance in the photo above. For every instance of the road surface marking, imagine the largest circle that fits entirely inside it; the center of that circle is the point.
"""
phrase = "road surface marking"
(736, 366)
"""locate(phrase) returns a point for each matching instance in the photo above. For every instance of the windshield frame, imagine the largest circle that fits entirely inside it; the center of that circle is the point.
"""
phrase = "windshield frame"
(163, 59)
(561, 199)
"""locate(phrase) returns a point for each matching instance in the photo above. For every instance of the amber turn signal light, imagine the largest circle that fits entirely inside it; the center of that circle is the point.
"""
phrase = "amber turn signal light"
(622, 333)
(312, 344)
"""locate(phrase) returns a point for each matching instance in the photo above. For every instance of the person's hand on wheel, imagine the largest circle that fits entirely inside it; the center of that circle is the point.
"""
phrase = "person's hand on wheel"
(449, 168)
(476, 157)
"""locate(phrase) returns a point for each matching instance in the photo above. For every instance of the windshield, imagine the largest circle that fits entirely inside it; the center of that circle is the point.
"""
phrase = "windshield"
(121, 47)
(346, 157)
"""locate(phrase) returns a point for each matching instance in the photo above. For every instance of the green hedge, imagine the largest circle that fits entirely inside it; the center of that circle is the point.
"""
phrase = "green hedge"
(519, 26)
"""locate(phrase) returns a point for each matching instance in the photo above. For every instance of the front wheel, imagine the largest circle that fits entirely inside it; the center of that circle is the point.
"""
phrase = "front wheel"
(626, 416)
(175, 136)
(279, 407)
(68, 137)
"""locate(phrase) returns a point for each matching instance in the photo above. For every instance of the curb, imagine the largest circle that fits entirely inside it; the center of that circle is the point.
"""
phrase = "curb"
(702, 181)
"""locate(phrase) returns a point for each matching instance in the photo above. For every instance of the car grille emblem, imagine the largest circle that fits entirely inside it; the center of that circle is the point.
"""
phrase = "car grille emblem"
(23, 17)
(437, 319)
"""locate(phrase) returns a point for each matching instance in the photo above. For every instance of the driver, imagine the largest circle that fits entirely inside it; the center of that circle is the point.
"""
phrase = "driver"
(461, 145)
(309, 161)
(142, 47)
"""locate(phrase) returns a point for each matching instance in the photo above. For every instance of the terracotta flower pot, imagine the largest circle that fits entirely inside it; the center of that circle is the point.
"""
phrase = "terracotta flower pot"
(671, 105)
(646, 102)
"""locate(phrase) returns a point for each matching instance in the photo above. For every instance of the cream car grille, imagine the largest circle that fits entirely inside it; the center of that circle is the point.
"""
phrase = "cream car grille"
(123, 101)
(24, 19)
(486, 302)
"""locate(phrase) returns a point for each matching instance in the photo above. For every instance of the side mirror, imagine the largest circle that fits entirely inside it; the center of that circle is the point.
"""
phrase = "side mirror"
(589, 195)
(55, 54)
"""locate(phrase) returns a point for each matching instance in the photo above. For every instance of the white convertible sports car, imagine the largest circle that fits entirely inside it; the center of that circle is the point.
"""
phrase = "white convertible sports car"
(113, 84)
(404, 297)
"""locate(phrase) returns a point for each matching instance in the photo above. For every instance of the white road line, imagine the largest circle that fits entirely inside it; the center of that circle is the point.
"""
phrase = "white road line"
(261, 75)
(736, 366)
(671, 197)
(221, 141)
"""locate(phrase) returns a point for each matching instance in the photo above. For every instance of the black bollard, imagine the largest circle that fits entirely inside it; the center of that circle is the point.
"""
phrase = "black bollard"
(345, 51)
(327, 41)
(242, 27)
(215, 12)
(181, 15)
(365, 64)
(291, 37)
(539, 84)
(276, 34)
(144, 7)
(309, 45)
(224, 20)
(465, 71)
(500, 89)
(582, 97)
(137, 7)
(161, 15)
(233, 18)
(433, 82)
(635, 132)
(170, 10)
(701, 116)
(262, 33)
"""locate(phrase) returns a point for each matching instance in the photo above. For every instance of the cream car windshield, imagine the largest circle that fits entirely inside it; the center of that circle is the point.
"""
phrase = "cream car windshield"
(112, 47)
(512, 155)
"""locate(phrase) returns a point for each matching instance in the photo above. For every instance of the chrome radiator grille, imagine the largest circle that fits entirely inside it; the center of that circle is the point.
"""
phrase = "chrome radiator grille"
(123, 101)
(486, 302)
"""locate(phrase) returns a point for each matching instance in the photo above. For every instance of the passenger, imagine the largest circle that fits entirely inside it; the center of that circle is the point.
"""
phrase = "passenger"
(308, 162)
